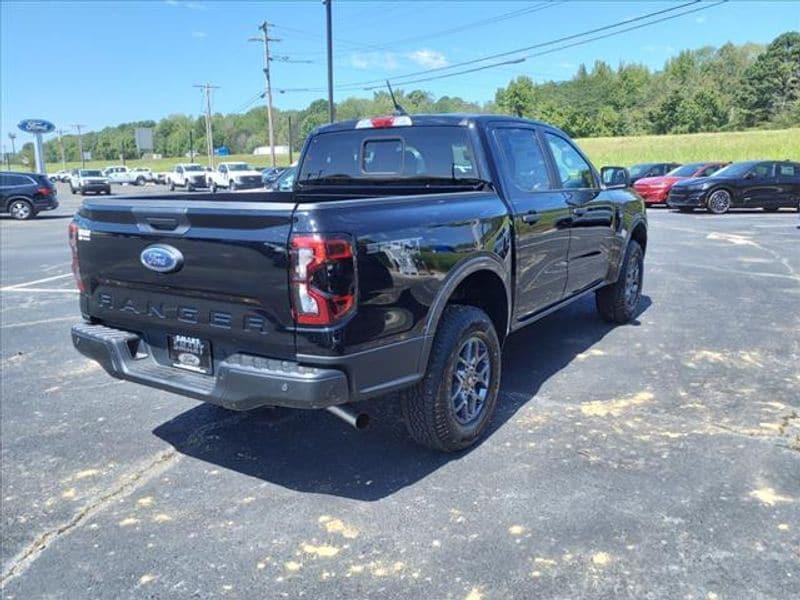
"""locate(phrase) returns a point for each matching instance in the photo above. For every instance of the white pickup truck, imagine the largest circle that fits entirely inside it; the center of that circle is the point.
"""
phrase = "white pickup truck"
(121, 174)
(234, 176)
(190, 176)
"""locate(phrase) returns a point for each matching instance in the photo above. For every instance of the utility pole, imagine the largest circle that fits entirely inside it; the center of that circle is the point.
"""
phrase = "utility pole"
(61, 145)
(329, 21)
(12, 136)
(80, 142)
(191, 145)
(6, 157)
(207, 87)
(290, 139)
(265, 39)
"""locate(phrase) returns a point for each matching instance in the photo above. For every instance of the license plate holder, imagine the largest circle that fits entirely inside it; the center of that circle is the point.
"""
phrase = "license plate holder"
(190, 353)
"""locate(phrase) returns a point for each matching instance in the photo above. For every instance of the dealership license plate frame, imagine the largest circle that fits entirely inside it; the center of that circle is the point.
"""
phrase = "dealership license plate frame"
(190, 353)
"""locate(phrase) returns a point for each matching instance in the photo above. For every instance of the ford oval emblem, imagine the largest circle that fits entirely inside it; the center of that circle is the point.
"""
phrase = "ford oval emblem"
(36, 126)
(161, 258)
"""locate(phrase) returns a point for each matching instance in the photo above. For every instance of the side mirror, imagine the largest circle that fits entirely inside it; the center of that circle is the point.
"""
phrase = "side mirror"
(615, 177)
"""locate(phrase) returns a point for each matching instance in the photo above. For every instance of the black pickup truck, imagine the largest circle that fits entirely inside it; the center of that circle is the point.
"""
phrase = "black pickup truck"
(408, 249)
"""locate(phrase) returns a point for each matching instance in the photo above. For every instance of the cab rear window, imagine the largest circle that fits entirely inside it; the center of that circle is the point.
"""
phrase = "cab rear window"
(369, 155)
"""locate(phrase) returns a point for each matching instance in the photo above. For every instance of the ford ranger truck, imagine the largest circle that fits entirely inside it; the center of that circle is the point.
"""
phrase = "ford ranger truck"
(406, 252)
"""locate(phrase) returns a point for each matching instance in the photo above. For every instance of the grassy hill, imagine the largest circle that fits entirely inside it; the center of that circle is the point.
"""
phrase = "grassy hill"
(733, 146)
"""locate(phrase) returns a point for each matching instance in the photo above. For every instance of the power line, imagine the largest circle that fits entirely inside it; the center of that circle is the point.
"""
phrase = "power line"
(207, 90)
(564, 47)
(380, 82)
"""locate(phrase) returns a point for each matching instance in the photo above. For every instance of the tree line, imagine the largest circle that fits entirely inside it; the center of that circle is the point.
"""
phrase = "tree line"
(709, 89)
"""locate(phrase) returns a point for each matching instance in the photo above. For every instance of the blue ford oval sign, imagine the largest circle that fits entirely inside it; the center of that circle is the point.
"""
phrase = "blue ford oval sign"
(161, 258)
(36, 126)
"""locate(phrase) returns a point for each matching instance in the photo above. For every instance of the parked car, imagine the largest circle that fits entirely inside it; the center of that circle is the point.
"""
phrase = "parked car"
(121, 174)
(655, 190)
(24, 195)
(651, 170)
(83, 181)
(234, 176)
(187, 175)
(270, 174)
(763, 184)
(284, 182)
(145, 172)
(62, 176)
(380, 271)
(161, 177)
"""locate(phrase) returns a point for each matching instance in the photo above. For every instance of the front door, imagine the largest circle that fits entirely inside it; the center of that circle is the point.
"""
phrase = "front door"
(760, 187)
(541, 219)
(593, 216)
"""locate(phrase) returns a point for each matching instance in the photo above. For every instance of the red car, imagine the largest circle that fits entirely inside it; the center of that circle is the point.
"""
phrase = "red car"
(655, 190)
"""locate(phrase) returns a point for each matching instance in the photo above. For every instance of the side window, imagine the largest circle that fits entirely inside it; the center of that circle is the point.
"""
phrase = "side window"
(763, 170)
(179, 170)
(524, 161)
(17, 180)
(383, 156)
(573, 170)
(709, 171)
(787, 170)
(223, 169)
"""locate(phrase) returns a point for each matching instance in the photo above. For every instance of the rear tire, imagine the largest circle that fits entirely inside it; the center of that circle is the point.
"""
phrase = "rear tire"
(214, 187)
(21, 210)
(452, 406)
(171, 185)
(618, 302)
(140, 180)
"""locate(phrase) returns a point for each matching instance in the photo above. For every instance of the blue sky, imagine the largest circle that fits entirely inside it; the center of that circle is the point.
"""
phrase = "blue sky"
(100, 63)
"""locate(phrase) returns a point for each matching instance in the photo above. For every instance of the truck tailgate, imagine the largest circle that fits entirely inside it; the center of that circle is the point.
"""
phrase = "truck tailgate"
(231, 289)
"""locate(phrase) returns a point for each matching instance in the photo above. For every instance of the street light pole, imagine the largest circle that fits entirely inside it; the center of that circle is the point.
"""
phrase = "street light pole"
(12, 136)
(80, 142)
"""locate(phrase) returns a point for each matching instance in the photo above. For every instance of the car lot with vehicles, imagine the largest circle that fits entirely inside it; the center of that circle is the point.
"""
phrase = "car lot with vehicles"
(190, 176)
(654, 190)
(656, 458)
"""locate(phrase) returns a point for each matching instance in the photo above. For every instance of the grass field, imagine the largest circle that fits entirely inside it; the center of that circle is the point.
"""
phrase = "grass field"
(733, 146)
(729, 146)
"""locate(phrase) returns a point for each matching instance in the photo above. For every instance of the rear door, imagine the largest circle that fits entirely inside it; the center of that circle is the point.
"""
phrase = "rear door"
(541, 218)
(592, 212)
(761, 186)
(789, 183)
(229, 289)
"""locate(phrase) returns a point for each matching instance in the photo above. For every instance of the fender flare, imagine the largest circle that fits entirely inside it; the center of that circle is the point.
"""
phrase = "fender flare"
(18, 197)
(483, 262)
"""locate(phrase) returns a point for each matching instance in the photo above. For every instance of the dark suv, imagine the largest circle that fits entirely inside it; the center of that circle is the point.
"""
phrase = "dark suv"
(23, 195)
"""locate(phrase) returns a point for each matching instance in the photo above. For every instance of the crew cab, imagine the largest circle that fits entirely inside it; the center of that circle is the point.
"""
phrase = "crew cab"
(84, 181)
(187, 175)
(406, 252)
(122, 175)
(234, 176)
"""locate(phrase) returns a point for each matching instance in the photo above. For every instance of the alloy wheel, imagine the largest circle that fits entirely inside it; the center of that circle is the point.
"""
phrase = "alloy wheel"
(20, 210)
(469, 385)
(719, 202)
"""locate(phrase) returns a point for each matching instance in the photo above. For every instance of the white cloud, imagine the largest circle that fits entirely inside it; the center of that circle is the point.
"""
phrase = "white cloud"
(199, 34)
(373, 60)
(430, 59)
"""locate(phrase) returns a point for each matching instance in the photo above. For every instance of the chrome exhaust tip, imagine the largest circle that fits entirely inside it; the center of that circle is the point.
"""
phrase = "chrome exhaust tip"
(356, 420)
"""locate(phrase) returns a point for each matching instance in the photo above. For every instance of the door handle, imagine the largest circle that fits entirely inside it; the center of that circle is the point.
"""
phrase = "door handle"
(531, 217)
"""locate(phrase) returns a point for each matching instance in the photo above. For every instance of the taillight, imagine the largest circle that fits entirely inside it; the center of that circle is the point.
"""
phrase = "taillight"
(45, 191)
(323, 278)
(382, 122)
(73, 246)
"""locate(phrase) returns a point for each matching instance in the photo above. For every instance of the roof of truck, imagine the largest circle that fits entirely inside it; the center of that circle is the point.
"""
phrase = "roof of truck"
(450, 119)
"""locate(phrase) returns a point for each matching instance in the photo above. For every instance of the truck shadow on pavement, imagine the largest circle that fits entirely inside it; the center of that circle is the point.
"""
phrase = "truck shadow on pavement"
(312, 451)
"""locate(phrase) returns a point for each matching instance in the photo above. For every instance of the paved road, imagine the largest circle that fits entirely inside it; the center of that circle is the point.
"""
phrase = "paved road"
(660, 459)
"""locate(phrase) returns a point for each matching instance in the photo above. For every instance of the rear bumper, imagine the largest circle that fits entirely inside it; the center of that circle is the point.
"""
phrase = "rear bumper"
(41, 204)
(241, 382)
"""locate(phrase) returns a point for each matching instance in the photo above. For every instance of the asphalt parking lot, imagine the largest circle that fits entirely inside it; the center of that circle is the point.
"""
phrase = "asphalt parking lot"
(659, 459)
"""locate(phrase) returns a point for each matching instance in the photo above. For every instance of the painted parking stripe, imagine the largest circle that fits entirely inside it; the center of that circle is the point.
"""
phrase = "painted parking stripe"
(28, 283)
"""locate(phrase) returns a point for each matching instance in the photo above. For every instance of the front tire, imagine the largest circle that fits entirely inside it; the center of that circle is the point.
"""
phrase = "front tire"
(214, 187)
(140, 181)
(719, 202)
(21, 210)
(171, 185)
(618, 302)
(452, 406)
(232, 186)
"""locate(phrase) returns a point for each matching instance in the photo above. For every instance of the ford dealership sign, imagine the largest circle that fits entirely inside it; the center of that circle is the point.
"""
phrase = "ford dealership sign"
(36, 126)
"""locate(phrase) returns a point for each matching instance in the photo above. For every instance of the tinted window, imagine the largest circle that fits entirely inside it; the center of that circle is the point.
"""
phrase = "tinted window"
(523, 159)
(787, 170)
(13, 180)
(709, 170)
(388, 154)
(573, 170)
(763, 170)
